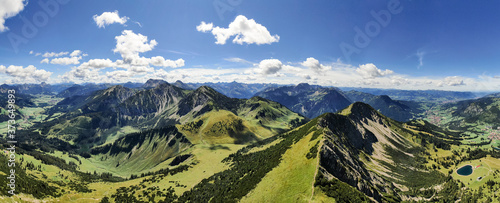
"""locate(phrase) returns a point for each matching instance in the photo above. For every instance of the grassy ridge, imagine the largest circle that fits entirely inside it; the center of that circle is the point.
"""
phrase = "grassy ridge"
(246, 172)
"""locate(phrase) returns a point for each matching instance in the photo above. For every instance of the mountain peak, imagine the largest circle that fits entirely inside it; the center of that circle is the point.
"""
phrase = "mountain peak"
(359, 109)
(117, 90)
(385, 98)
(151, 83)
(303, 85)
(206, 90)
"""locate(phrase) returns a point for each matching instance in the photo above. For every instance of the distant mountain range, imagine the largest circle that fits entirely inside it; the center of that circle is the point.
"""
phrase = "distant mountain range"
(420, 95)
(308, 100)
(312, 101)
(397, 110)
(91, 119)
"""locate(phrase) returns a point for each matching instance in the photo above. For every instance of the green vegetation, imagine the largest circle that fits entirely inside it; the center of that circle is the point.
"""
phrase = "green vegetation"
(340, 191)
(246, 172)
(24, 183)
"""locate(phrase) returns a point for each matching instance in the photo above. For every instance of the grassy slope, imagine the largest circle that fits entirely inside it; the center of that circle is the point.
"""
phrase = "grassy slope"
(206, 160)
(295, 174)
(218, 127)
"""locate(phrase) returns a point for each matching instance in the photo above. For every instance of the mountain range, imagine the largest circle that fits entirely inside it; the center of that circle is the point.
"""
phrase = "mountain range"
(162, 142)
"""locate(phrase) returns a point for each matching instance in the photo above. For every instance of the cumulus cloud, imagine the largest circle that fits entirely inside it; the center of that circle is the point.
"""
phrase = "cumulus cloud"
(119, 74)
(54, 54)
(269, 66)
(129, 45)
(98, 63)
(452, 81)
(45, 60)
(398, 81)
(74, 58)
(82, 75)
(66, 60)
(243, 29)
(292, 69)
(205, 27)
(25, 75)
(75, 53)
(108, 18)
(369, 70)
(314, 64)
(8, 9)
(160, 61)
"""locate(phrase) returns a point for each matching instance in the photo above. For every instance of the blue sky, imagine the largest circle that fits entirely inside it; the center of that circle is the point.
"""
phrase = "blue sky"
(425, 44)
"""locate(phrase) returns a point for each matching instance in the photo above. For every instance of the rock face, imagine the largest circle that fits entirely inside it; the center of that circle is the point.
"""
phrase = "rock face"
(358, 131)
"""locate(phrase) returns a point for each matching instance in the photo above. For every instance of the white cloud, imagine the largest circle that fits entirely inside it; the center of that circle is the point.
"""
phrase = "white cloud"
(8, 9)
(78, 75)
(237, 60)
(30, 74)
(131, 67)
(160, 61)
(75, 53)
(453, 81)
(369, 70)
(54, 54)
(314, 64)
(269, 66)
(398, 81)
(129, 45)
(205, 27)
(119, 74)
(141, 69)
(292, 69)
(66, 60)
(243, 29)
(108, 18)
(98, 63)
(75, 57)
